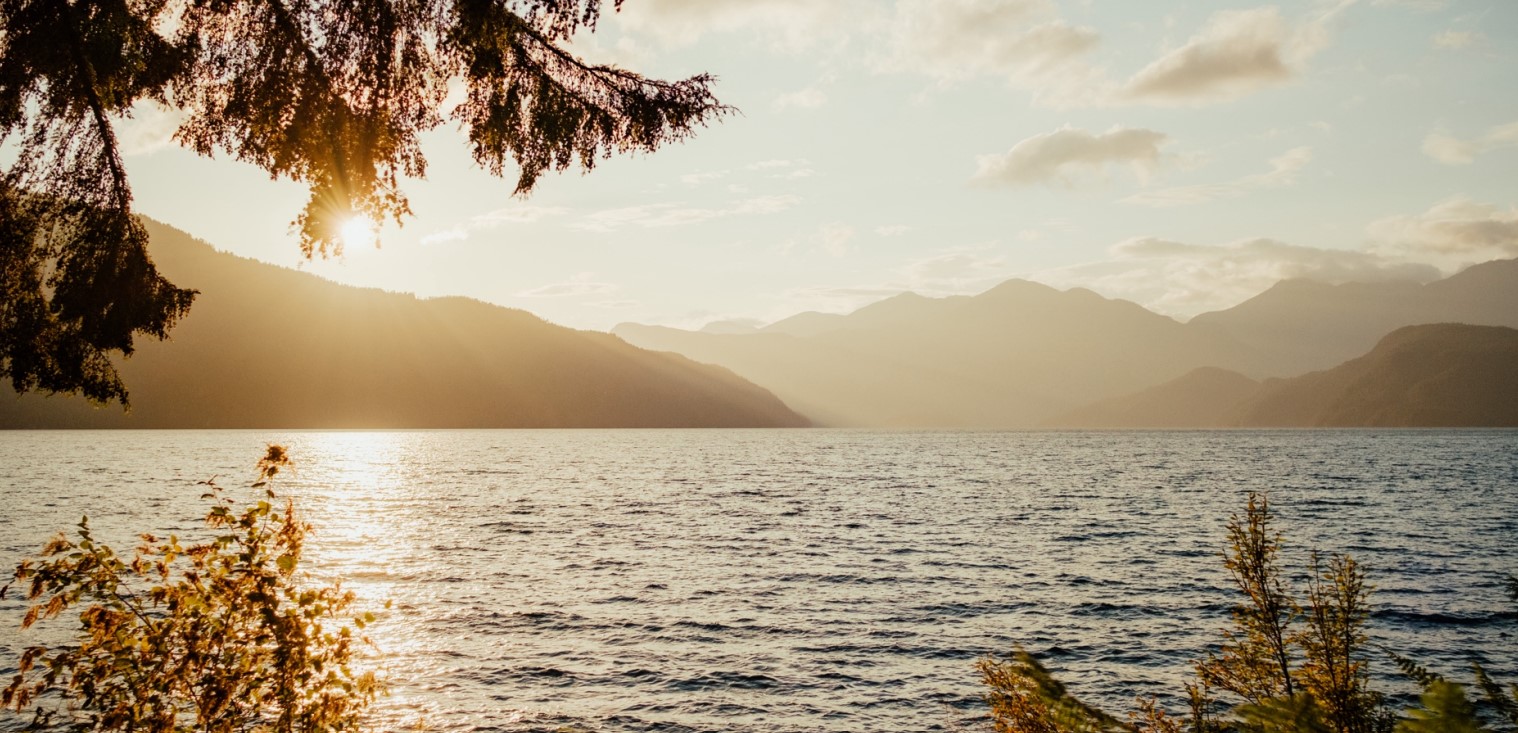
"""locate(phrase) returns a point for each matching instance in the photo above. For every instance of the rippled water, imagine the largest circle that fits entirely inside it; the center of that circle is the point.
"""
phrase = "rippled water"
(808, 580)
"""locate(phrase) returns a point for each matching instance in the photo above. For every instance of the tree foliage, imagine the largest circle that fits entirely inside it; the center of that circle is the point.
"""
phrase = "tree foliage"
(219, 636)
(1255, 660)
(331, 93)
(1289, 668)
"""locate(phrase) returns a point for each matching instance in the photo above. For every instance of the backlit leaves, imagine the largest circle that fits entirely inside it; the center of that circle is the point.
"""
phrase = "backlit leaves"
(1326, 692)
(224, 635)
(331, 93)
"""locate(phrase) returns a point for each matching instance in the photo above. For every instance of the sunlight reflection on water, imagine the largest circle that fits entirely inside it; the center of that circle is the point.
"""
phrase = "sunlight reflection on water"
(807, 580)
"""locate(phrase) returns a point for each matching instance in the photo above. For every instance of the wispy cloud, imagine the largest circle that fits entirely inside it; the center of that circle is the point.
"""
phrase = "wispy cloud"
(787, 24)
(1455, 40)
(579, 285)
(808, 98)
(1458, 229)
(1182, 279)
(1237, 52)
(697, 179)
(150, 128)
(675, 214)
(779, 167)
(1283, 172)
(835, 238)
(1056, 157)
(1020, 40)
(1421, 5)
(956, 271)
(519, 214)
(1452, 150)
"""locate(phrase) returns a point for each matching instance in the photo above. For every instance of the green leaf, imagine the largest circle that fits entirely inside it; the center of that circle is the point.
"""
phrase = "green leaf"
(1445, 709)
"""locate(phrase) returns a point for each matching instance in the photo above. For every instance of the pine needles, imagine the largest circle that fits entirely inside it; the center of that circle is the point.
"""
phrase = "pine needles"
(1282, 667)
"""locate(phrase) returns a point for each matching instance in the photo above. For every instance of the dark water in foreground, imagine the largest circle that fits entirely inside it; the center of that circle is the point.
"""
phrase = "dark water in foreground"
(808, 580)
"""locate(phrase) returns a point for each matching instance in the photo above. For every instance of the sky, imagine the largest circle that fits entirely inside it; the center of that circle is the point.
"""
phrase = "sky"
(1182, 155)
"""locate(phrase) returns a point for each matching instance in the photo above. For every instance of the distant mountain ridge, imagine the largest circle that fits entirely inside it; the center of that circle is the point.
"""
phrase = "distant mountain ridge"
(1009, 357)
(270, 347)
(1022, 354)
(1302, 325)
(1433, 375)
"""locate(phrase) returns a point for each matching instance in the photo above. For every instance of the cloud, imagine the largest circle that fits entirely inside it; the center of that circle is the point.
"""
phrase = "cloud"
(788, 24)
(150, 128)
(1455, 231)
(1283, 172)
(834, 239)
(1182, 280)
(891, 230)
(808, 98)
(1236, 52)
(696, 179)
(1451, 150)
(1023, 42)
(765, 165)
(520, 214)
(784, 169)
(1456, 40)
(456, 233)
(845, 299)
(957, 271)
(665, 215)
(955, 39)
(576, 286)
(1421, 5)
(1053, 157)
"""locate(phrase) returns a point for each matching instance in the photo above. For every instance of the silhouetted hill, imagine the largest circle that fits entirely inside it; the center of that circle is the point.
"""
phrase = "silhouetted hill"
(1012, 356)
(1437, 375)
(275, 348)
(1201, 398)
(1301, 325)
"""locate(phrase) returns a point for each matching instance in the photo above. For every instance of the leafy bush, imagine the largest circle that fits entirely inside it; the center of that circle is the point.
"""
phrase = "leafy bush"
(1286, 667)
(220, 636)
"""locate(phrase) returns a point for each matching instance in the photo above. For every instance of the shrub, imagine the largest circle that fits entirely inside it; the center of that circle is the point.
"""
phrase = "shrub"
(1287, 667)
(219, 636)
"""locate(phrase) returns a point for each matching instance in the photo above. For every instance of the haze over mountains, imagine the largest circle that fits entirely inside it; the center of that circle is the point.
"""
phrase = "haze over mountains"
(1302, 325)
(270, 347)
(1022, 354)
(1008, 357)
(1434, 375)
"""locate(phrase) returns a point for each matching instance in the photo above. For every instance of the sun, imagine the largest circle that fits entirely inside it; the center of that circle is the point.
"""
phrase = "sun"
(359, 232)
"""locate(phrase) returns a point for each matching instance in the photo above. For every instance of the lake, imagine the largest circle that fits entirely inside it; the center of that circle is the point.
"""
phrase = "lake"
(807, 580)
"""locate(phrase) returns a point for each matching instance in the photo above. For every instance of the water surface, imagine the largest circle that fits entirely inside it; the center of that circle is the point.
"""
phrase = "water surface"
(807, 580)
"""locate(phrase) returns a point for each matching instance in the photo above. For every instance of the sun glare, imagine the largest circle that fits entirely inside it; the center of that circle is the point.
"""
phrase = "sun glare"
(359, 232)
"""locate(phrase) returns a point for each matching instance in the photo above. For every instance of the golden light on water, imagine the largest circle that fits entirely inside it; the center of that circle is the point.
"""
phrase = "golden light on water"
(363, 508)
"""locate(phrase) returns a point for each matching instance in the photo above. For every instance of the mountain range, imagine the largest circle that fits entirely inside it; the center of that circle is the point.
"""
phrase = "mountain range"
(1302, 325)
(271, 347)
(1433, 375)
(1023, 354)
